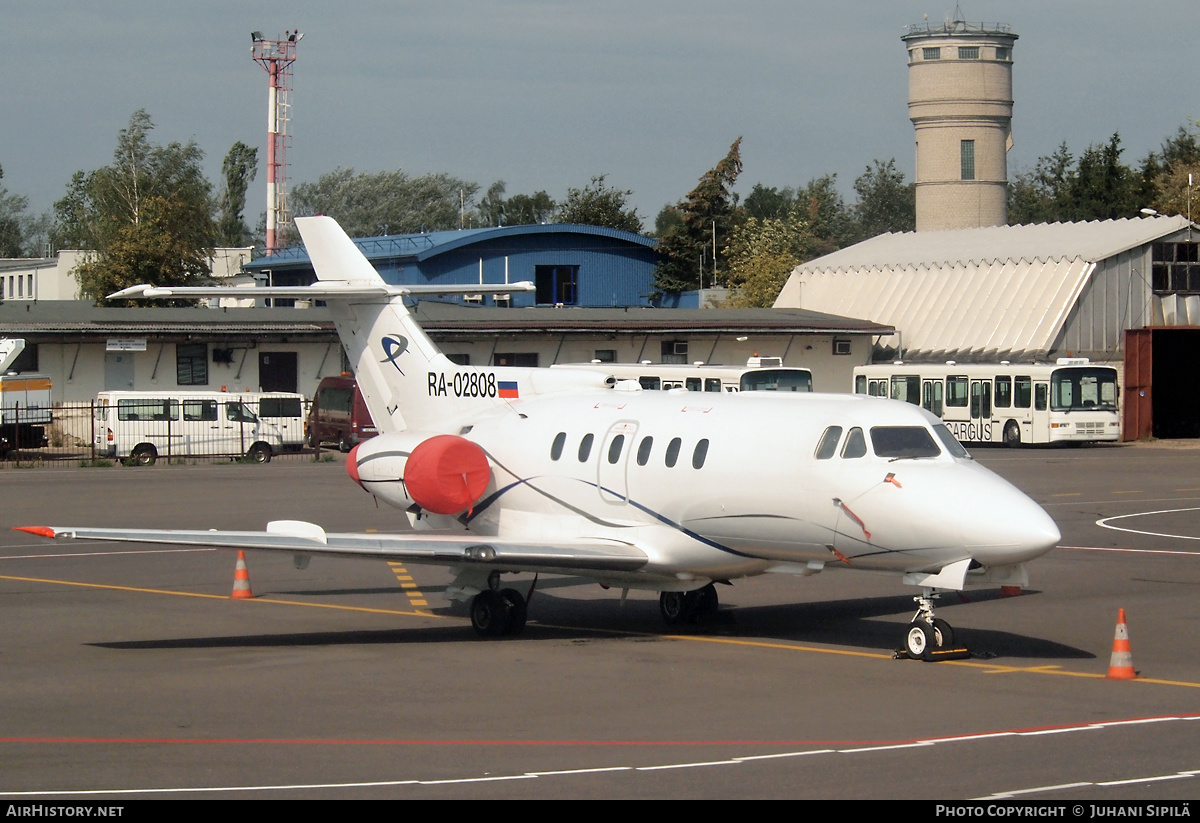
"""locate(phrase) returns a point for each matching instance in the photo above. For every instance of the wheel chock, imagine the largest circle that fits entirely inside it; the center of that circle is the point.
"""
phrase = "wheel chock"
(935, 655)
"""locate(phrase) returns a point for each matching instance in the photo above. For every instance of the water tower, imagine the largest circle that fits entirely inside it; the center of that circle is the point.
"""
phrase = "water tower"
(960, 102)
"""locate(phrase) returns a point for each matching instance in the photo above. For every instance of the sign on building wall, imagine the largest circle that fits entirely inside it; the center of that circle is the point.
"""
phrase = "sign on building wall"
(125, 344)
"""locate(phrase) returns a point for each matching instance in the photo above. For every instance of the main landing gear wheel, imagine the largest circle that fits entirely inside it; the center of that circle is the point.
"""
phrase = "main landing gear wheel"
(497, 613)
(695, 606)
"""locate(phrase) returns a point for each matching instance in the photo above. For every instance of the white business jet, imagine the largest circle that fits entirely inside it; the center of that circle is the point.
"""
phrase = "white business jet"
(513, 470)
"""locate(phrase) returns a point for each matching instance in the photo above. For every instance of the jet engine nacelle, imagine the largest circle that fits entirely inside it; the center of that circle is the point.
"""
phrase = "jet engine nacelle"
(441, 473)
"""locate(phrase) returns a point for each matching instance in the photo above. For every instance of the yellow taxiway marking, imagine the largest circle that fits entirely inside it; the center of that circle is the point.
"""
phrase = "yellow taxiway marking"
(415, 597)
(985, 667)
(1068, 494)
(217, 596)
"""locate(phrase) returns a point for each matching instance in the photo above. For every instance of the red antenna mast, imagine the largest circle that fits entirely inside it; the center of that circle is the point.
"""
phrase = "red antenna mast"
(277, 56)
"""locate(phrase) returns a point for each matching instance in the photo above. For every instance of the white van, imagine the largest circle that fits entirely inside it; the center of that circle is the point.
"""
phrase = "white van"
(284, 410)
(143, 426)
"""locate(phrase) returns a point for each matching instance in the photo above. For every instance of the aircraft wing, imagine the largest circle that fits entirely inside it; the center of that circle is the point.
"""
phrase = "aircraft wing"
(437, 548)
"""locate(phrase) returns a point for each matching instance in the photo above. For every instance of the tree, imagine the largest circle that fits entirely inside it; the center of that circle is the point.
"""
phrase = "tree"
(762, 254)
(598, 204)
(387, 202)
(1096, 187)
(518, 210)
(12, 228)
(711, 207)
(1174, 172)
(143, 252)
(885, 202)
(148, 215)
(239, 169)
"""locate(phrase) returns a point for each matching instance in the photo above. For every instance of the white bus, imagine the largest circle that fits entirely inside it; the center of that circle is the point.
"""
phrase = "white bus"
(143, 426)
(759, 374)
(1071, 401)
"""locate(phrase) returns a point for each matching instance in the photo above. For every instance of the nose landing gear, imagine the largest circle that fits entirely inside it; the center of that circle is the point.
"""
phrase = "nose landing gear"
(928, 637)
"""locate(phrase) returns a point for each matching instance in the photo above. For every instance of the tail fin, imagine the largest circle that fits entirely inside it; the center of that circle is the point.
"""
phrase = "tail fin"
(405, 379)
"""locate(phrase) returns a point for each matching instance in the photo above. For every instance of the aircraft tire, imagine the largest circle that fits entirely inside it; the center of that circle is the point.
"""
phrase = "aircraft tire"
(702, 604)
(943, 634)
(673, 606)
(489, 614)
(918, 641)
(517, 611)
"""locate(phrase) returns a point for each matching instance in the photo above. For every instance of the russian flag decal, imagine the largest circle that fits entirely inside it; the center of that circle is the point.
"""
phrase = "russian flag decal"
(508, 388)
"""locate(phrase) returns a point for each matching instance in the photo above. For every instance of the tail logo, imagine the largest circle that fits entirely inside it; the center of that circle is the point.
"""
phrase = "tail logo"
(393, 346)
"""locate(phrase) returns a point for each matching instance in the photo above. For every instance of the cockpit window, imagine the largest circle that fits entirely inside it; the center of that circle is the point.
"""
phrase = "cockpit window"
(950, 442)
(856, 445)
(903, 441)
(829, 440)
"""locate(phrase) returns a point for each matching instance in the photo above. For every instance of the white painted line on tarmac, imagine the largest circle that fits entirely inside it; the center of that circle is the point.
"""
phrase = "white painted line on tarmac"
(1127, 551)
(1105, 524)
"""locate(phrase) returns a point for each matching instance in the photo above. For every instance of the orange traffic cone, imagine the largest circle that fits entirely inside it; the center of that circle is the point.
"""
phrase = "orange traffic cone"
(1120, 665)
(241, 579)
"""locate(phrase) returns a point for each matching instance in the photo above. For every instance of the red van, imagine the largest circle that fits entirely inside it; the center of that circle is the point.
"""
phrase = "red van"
(338, 415)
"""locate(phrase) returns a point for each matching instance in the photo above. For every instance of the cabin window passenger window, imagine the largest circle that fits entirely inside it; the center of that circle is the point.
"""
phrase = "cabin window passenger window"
(692, 383)
(673, 452)
(1022, 391)
(614, 448)
(956, 391)
(650, 383)
(1041, 396)
(856, 444)
(907, 387)
(712, 384)
(643, 455)
(556, 448)
(903, 441)
(860, 384)
(699, 453)
(829, 440)
(585, 447)
(1003, 392)
(200, 410)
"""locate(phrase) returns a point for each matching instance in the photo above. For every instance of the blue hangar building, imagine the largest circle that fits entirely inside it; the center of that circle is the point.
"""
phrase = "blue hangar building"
(572, 265)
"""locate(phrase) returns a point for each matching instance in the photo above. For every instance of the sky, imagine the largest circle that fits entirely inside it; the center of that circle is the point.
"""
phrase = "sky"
(546, 94)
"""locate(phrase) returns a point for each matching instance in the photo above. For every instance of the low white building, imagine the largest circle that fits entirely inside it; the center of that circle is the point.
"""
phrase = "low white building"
(1114, 290)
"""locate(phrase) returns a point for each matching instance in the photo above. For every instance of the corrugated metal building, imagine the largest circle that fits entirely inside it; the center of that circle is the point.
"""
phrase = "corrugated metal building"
(1033, 292)
(572, 265)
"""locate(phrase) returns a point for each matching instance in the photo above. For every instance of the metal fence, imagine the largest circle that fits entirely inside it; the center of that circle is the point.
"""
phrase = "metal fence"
(145, 430)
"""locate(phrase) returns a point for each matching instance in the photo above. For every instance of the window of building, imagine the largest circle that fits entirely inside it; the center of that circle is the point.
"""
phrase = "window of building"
(528, 360)
(1175, 267)
(191, 364)
(557, 285)
(606, 355)
(1001, 53)
(459, 359)
(968, 52)
(968, 159)
(674, 351)
(931, 54)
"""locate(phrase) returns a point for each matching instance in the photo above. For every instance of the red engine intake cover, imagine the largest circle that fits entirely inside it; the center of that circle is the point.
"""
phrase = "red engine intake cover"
(446, 474)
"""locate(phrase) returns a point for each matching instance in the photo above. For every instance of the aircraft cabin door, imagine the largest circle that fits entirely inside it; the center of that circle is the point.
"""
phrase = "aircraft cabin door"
(612, 476)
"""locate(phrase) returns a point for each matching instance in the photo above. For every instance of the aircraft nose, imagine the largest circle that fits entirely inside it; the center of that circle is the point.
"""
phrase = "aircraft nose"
(1011, 528)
